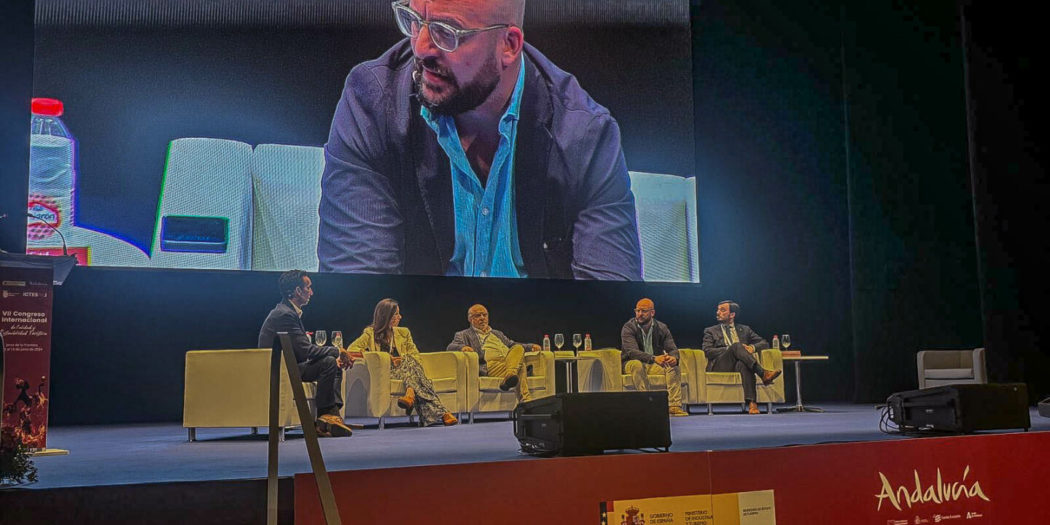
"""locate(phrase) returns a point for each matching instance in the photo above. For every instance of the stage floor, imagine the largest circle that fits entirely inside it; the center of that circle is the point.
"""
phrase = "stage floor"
(127, 454)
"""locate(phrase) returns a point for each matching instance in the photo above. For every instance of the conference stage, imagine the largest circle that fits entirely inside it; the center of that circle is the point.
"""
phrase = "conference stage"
(825, 467)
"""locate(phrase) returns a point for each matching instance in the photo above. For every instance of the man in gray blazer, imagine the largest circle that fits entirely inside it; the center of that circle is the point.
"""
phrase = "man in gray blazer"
(498, 355)
(731, 347)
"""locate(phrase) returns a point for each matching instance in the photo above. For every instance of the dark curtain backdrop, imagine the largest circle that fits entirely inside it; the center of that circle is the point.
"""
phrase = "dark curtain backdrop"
(835, 202)
(1007, 63)
(911, 209)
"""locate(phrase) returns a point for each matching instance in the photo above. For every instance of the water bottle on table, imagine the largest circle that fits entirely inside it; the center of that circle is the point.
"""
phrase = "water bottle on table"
(52, 179)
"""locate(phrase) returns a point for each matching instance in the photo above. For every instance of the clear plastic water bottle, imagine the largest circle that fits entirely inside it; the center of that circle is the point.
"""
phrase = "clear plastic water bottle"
(587, 343)
(546, 343)
(52, 175)
(776, 342)
(52, 197)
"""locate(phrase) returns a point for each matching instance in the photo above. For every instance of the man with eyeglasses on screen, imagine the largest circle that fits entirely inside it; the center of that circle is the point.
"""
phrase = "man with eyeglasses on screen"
(647, 347)
(464, 151)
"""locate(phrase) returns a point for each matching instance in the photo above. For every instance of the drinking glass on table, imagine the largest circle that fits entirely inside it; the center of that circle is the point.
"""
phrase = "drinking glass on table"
(577, 340)
(337, 339)
(785, 341)
(559, 340)
(320, 337)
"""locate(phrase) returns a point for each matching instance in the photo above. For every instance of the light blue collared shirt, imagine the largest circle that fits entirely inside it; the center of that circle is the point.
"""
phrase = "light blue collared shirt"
(486, 221)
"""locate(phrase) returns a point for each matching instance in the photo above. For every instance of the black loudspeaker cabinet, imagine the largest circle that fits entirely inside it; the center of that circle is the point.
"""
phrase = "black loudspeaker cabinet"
(962, 408)
(571, 424)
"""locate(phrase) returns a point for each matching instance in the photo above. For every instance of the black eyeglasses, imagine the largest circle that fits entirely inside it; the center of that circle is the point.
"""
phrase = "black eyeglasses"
(445, 36)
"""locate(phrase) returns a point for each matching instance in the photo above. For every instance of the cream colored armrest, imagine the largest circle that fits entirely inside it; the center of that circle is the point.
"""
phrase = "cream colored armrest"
(368, 386)
(692, 373)
(542, 366)
(438, 365)
(605, 371)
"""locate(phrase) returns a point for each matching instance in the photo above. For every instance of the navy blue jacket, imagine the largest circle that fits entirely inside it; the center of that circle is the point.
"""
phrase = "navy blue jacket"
(284, 319)
(386, 193)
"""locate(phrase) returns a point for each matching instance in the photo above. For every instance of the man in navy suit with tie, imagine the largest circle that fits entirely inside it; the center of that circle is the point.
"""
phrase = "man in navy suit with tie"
(731, 347)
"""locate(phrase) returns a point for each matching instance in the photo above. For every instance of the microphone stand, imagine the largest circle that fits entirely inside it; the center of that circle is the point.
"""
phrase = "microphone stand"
(65, 252)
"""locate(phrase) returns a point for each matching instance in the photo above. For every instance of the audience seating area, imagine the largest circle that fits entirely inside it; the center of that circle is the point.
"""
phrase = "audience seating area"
(230, 388)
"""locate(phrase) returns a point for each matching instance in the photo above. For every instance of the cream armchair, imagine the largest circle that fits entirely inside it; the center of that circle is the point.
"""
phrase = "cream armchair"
(951, 367)
(726, 387)
(605, 374)
(484, 393)
(231, 388)
(602, 372)
(372, 393)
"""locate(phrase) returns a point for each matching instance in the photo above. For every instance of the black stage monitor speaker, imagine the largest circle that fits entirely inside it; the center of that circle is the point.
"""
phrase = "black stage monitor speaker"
(592, 422)
(961, 408)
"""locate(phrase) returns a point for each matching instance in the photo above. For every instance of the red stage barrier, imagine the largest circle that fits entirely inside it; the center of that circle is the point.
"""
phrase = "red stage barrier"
(998, 478)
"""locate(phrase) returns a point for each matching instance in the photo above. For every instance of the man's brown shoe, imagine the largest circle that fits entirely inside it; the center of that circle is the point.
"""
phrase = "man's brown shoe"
(334, 426)
(448, 419)
(677, 412)
(752, 408)
(407, 401)
(769, 375)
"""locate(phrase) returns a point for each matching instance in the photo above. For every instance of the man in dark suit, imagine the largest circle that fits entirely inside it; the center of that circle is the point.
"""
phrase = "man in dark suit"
(462, 150)
(498, 355)
(323, 364)
(732, 347)
(646, 347)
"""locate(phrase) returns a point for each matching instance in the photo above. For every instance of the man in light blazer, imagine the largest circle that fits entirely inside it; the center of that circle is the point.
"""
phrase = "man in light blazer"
(731, 347)
(498, 355)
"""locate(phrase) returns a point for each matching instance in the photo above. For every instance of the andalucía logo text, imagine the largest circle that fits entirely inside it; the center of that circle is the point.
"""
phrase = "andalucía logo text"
(940, 492)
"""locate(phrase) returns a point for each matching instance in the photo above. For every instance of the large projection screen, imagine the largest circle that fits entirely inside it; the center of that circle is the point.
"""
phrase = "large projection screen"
(192, 135)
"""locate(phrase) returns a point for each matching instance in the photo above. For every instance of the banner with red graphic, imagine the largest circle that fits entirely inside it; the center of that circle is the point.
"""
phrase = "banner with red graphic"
(25, 322)
(987, 479)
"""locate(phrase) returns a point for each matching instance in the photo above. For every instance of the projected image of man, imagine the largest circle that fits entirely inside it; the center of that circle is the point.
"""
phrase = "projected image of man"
(462, 150)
